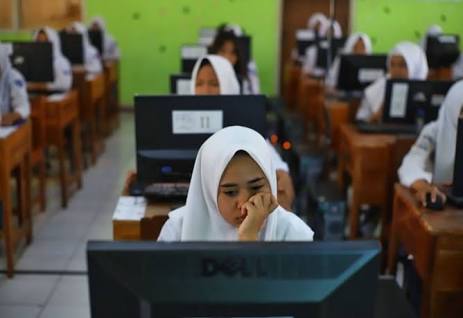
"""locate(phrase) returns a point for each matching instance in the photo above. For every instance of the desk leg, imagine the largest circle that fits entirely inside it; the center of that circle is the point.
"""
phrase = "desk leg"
(93, 138)
(77, 151)
(27, 168)
(393, 238)
(7, 222)
(62, 169)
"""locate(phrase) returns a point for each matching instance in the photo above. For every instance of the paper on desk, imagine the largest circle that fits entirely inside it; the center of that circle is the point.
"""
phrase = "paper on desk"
(130, 208)
(6, 131)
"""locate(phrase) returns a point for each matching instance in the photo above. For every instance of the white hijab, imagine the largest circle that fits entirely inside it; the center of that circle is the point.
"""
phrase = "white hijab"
(109, 45)
(5, 80)
(325, 27)
(431, 31)
(202, 220)
(446, 134)
(224, 71)
(417, 66)
(316, 18)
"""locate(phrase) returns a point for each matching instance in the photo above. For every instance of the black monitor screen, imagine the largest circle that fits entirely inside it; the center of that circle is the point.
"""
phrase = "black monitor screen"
(211, 279)
(180, 84)
(358, 71)
(170, 130)
(189, 55)
(442, 50)
(34, 60)
(304, 39)
(96, 39)
(324, 48)
(72, 47)
(407, 99)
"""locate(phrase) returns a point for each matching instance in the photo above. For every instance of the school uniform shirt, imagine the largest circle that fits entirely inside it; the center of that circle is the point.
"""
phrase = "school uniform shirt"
(110, 49)
(92, 62)
(61, 66)
(348, 48)
(432, 156)
(417, 66)
(200, 219)
(13, 91)
(457, 68)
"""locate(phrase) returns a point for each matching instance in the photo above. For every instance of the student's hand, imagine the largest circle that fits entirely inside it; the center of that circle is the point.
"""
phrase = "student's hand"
(285, 194)
(422, 187)
(9, 119)
(255, 211)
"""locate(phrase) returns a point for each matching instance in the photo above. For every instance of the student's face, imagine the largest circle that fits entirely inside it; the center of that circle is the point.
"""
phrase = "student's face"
(241, 179)
(42, 37)
(95, 27)
(359, 47)
(228, 51)
(398, 67)
(207, 82)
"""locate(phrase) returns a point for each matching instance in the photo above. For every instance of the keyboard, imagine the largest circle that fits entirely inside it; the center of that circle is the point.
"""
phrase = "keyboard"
(386, 128)
(167, 191)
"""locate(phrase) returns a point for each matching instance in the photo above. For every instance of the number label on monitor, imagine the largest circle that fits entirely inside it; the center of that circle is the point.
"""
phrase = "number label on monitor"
(367, 75)
(196, 122)
(183, 87)
(193, 52)
(305, 35)
(399, 100)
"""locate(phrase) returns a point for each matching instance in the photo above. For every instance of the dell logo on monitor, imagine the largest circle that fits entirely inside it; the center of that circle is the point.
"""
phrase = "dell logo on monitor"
(232, 267)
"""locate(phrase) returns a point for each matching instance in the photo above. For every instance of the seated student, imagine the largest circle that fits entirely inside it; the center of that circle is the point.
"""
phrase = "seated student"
(232, 195)
(357, 43)
(433, 30)
(431, 159)
(405, 61)
(14, 101)
(61, 66)
(92, 62)
(226, 44)
(214, 75)
(309, 66)
(110, 48)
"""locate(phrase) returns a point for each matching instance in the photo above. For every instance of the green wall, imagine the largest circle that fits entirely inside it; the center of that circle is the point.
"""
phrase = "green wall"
(150, 33)
(391, 21)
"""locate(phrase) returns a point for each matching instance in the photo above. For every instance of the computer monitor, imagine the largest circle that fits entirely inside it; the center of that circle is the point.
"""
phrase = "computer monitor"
(190, 53)
(407, 99)
(304, 39)
(96, 38)
(245, 48)
(207, 35)
(34, 60)
(324, 48)
(358, 71)
(455, 194)
(442, 50)
(170, 129)
(180, 84)
(72, 47)
(233, 279)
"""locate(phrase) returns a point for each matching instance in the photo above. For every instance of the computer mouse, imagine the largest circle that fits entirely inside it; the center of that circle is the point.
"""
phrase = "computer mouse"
(436, 205)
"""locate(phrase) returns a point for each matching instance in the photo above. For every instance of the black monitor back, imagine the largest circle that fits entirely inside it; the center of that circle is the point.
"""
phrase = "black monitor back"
(358, 71)
(189, 54)
(96, 38)
(72, 47)
(407, 99)
(297, 279)
(304, 39)
(324, 48)
(245, 49)
(34, 60)
(163, 155)
(180, 84)
(442, 50)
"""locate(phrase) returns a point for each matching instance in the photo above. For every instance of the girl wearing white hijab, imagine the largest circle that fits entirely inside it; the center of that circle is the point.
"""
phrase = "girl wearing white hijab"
(92, 60)
(61, 66)
(431, 159)
(406, 60)
(316, 21)
(214, 75)
(232, 195)
(110, 48)
(357, 43)
(14, 101)
(309, 64)
(433, 30)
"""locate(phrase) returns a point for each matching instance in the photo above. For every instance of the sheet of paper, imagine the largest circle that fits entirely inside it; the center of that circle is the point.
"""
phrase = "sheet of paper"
(399, 100)
(183, 87)
(130, 208)
(6, 131)
(196, 122)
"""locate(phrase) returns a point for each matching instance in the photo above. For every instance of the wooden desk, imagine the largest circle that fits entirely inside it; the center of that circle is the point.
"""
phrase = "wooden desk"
(111, 68)
(62, 115)
(149, 227)
(372, 161)
(95, 113)
(15, 155)
(435, 239)
(292, 75)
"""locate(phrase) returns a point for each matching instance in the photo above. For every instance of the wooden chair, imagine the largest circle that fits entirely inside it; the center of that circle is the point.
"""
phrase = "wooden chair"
(111, 68)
